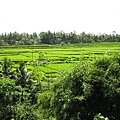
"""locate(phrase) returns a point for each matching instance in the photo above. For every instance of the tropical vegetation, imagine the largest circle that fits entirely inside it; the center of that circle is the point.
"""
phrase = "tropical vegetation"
(55, 38)
(47, 77)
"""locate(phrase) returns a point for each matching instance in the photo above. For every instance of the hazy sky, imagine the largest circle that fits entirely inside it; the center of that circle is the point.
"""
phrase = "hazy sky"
(91, 16)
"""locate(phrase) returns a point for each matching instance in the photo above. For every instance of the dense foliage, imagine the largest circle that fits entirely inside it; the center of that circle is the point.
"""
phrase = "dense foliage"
(18, 92)
(88, 90)
(55, 38)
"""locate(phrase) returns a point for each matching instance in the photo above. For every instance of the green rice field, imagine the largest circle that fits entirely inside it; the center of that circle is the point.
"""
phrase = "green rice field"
(48, 60)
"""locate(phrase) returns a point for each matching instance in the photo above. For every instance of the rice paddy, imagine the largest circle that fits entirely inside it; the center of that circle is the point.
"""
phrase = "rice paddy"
(49, 60)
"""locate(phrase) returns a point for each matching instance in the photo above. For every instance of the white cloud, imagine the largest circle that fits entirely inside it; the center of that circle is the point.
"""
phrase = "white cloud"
(56, 15)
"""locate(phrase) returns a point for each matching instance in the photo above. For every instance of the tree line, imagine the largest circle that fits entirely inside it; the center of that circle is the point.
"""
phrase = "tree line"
(55, 38)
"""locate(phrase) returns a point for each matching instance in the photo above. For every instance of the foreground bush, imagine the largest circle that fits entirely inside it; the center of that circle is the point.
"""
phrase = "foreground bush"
(88, 90)
(18, 93)
(85, 92)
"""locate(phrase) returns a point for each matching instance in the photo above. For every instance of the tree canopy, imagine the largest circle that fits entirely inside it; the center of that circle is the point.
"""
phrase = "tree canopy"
(54, 38)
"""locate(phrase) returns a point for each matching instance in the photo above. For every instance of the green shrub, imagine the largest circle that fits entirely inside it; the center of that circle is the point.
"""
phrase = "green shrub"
(70, 92)
(100, 117)
(18, 96)
(44, 105)
(9, 96)
(87, 90)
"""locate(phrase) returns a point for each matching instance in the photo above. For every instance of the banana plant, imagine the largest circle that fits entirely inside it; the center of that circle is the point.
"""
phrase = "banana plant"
(28, 83)
(23, 76)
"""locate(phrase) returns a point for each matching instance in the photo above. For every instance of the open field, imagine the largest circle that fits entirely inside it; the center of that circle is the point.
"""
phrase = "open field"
(50, 59)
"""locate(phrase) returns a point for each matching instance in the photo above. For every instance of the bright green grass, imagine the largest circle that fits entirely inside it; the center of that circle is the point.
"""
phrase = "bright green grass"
(56, 58)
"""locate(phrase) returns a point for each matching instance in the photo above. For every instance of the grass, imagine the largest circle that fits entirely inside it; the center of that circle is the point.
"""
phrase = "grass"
(53, 58)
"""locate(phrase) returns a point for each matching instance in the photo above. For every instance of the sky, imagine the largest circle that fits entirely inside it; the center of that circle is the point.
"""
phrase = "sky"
(90, 16)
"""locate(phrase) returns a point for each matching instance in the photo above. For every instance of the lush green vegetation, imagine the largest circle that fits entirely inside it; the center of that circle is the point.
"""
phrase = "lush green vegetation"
(89, 89)
(60, 82)
(55, 38)
(50, 59)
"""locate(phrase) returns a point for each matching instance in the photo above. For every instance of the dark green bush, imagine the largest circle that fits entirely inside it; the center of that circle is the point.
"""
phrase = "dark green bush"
(18, 94)
(70, 93)
(84, 92)
(88, 90)
(44, 105)
(7, 103)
